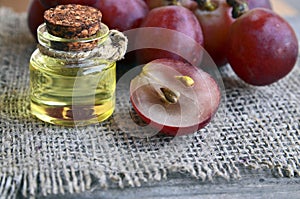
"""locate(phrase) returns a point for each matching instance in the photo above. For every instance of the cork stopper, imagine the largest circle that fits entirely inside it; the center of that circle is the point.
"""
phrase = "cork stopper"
(73, 21)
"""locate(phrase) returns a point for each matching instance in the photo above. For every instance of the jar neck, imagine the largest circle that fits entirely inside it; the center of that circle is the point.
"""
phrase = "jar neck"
(67, 55)
(110, 45)
(75, 48)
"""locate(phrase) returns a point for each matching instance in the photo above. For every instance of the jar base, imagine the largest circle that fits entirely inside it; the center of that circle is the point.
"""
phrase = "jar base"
(73, 115)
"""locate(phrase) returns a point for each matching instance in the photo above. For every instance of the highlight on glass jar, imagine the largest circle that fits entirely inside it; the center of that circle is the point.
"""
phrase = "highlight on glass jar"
(73, 70)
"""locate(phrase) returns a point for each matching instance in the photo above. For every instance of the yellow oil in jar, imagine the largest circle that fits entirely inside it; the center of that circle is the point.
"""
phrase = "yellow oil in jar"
(72, 94)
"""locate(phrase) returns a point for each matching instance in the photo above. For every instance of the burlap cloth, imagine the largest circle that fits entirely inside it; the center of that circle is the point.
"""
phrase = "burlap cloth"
(256, 128)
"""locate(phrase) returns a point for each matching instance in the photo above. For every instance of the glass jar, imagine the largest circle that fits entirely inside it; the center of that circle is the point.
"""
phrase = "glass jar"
(72, 87)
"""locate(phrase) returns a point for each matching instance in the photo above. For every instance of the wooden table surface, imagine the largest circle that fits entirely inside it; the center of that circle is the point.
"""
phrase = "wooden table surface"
(252, 185)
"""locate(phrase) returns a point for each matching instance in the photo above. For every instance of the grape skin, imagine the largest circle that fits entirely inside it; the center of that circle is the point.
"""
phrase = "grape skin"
(262, 47)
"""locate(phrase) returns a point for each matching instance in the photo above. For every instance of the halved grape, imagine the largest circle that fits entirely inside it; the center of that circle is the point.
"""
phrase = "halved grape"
(174, 97)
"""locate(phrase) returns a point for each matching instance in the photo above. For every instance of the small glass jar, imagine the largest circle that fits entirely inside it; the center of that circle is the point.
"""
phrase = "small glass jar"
(72, 87)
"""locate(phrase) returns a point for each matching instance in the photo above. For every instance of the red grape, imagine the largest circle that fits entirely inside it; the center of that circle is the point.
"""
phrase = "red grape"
(262, 47)
(196, 101)
(35, 16)
(215, 25)
(122, 14)
(175, 18)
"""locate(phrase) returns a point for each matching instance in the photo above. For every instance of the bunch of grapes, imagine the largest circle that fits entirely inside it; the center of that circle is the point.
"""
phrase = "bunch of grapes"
(259, 45)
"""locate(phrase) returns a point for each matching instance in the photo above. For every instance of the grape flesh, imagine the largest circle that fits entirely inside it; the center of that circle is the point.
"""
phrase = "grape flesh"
(196, 103)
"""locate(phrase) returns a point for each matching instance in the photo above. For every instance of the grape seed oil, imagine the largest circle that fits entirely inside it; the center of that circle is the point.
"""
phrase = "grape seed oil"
(73, 69)
(72, 95)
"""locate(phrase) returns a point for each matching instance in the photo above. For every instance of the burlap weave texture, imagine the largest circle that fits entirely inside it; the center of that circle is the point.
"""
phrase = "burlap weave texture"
(256, 128)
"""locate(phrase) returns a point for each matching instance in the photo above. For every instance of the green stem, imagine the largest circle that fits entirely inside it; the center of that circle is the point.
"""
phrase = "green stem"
(207, 5)
(239, 7)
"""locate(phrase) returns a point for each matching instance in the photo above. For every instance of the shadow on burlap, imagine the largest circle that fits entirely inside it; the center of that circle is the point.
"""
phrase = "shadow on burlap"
(255, 128)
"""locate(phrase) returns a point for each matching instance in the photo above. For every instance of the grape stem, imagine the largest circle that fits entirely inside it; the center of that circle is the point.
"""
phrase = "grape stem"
(207, 5)
(239, 7)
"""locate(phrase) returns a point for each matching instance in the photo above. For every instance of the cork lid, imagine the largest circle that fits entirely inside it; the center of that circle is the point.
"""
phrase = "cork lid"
(73, 21)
